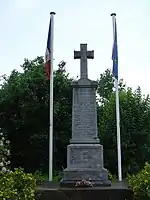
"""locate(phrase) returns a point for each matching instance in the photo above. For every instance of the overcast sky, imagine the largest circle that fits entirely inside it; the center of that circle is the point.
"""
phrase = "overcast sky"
(24, 27)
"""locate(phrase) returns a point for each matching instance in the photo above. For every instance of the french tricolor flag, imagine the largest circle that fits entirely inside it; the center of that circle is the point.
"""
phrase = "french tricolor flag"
(48, 53)
(49, 72)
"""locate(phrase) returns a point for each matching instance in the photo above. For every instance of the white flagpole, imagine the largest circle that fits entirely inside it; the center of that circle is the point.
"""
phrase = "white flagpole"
(117, 114)
(51, 102)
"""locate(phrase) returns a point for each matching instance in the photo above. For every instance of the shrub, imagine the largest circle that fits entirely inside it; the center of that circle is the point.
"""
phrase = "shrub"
(140, 183)
(7, 189)
(17, 185)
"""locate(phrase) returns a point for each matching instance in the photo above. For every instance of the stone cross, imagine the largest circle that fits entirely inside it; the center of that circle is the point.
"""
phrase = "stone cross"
(83, 55)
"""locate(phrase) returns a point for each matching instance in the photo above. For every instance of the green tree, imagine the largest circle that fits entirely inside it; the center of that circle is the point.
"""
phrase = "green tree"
(24, 116)
(134, 123)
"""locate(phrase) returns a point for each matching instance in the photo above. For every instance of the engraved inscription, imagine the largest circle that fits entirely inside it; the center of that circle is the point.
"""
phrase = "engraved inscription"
(84, 113)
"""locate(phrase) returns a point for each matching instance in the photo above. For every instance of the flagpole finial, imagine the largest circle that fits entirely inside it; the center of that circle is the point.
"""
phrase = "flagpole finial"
(113, 14)
(52, 13)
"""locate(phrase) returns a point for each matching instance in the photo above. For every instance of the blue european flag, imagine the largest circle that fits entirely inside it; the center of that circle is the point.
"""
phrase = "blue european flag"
(115, 53)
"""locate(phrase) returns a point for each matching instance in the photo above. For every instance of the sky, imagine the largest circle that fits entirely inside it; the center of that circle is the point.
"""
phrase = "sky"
(24, 29)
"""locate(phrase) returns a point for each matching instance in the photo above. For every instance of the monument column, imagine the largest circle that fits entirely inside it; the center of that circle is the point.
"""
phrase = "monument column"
(84, 154)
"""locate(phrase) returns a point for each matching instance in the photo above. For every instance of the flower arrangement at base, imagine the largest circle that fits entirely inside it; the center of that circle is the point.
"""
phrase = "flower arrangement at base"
(83, 183)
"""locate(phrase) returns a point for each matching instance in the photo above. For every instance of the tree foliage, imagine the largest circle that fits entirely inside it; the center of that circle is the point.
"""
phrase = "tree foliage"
(24, 116)
(134, 125)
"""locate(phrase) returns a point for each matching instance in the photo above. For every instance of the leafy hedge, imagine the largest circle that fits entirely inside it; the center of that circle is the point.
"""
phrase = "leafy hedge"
(141, 183)
(17, 185)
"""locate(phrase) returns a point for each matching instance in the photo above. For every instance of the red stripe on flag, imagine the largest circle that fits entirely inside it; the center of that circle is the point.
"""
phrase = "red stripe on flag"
(48, 69)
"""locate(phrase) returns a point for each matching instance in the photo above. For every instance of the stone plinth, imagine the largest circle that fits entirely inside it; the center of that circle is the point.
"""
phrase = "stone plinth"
(117, 191)
(85, 162)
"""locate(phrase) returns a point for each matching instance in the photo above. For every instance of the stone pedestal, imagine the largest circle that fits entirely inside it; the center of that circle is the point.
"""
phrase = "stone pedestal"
(85, 162)
(84, 154)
